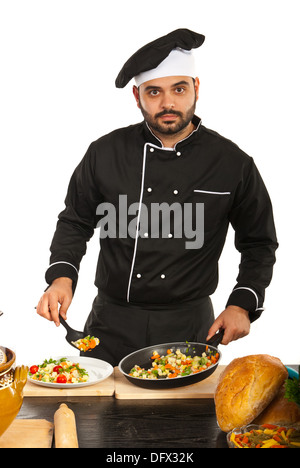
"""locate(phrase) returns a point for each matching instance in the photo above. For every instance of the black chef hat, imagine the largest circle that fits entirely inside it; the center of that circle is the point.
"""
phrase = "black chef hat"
(153, 54)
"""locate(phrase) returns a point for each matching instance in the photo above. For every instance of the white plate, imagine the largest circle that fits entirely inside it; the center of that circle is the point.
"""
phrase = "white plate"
(97, 369)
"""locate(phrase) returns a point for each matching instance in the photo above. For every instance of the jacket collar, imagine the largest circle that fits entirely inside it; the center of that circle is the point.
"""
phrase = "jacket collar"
(151, 138)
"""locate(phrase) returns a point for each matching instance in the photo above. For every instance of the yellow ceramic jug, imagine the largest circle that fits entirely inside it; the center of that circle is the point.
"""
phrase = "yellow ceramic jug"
(12, 382)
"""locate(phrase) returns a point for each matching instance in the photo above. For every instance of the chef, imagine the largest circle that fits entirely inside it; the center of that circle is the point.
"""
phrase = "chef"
(162, 193)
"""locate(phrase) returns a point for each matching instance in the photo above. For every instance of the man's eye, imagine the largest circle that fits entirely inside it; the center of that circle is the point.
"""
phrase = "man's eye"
(179, 90)
(154, 92)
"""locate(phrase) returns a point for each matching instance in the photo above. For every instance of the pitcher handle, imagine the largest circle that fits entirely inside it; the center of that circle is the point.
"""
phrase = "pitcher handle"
(20, 377)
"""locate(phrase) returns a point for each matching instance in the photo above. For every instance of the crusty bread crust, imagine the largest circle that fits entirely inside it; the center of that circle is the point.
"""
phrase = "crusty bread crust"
(246, 387)
(280, 411)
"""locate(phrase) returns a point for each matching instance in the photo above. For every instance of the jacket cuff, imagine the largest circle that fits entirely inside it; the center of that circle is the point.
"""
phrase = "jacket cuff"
(247, 299)
(62, 269)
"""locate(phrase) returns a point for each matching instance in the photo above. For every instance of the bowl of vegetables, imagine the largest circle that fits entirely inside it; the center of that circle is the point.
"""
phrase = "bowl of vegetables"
(264, 436)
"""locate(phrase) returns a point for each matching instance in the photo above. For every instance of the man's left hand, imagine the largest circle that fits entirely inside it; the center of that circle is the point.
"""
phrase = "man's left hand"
(235, 321)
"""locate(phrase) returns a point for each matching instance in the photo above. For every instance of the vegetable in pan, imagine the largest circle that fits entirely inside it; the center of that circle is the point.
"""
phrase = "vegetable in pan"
(175, 364)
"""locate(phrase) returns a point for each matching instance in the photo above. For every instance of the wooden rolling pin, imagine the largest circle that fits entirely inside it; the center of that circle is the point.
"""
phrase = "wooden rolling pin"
(65, 432)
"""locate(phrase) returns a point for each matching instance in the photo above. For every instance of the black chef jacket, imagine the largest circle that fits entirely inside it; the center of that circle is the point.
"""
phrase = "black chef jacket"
(203, 168)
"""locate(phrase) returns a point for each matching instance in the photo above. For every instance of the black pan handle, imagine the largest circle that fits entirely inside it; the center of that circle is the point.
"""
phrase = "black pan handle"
(216, 339)
(65, 324)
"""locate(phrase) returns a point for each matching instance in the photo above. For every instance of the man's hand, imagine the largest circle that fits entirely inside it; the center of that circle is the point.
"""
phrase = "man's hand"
(235, 321)
(60, 292)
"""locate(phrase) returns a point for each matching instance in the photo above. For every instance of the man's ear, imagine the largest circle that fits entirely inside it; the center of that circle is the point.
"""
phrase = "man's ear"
(136, 95)
(197, 86)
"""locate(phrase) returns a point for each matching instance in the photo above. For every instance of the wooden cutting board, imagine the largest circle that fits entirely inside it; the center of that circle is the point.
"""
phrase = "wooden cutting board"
(204, 389)
(104, 388)
(28, 433)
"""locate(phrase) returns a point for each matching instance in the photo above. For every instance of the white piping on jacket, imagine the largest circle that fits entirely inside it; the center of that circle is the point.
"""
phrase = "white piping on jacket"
(67, 263)
(141, 195)
(138, 220)
(213, 193)
(253, 292)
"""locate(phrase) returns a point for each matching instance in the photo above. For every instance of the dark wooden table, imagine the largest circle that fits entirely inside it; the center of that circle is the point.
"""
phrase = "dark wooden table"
(110, 423)
(160, 426)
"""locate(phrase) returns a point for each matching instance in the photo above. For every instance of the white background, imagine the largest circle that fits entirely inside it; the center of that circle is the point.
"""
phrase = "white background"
(59, 60)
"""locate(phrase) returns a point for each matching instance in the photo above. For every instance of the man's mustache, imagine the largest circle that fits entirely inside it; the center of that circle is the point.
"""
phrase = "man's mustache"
(168, 112)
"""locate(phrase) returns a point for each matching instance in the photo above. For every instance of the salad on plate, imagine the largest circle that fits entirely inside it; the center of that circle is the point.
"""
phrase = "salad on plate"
(60, 371)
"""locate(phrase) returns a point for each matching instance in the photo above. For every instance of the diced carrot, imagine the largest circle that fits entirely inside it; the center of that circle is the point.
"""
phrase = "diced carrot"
(168, 366)
(278, 446)
(280, 429)
(269, 426)
(92, 344)
(172, 375)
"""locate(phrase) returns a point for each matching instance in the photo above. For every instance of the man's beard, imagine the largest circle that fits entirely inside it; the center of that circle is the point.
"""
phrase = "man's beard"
(169, 128)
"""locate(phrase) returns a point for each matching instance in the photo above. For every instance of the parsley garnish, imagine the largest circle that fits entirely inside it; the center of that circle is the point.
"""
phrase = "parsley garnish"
(292, 389)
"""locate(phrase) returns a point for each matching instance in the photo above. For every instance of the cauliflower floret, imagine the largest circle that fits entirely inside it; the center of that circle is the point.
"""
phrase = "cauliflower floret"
(75, 374)
(172, 360)
(49, 368)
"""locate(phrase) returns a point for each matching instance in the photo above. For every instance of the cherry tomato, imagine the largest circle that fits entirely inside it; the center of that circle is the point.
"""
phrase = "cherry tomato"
(61, 379)
(56, 369)
(34, 369)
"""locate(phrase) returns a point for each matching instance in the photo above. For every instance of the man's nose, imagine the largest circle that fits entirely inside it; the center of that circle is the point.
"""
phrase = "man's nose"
(167, 101)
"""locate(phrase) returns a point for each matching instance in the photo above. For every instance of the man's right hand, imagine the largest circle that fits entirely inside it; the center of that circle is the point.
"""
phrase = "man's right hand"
(60, 292)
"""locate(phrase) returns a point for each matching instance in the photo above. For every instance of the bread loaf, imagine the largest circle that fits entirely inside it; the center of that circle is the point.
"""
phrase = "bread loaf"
(280, 411)
(246, 387)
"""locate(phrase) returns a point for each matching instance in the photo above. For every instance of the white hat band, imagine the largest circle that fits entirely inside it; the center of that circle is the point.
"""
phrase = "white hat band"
(179, 62)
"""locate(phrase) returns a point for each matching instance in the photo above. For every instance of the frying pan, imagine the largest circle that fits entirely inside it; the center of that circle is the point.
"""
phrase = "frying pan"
(142, 357)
